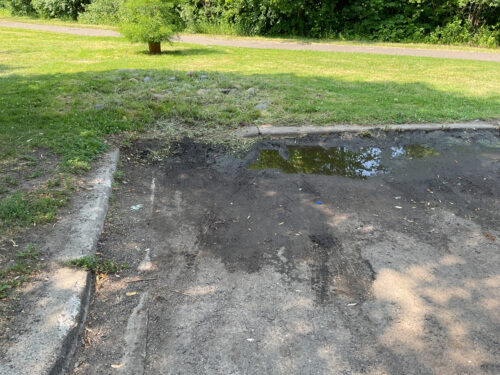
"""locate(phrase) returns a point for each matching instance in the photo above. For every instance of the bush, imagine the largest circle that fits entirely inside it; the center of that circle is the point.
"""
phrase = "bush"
(149, 21)
(104, 12)
(21, 7)
(458, 32)
(59, 8)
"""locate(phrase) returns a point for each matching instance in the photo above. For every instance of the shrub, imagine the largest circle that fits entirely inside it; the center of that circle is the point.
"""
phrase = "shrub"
(59, 8)
(106, 12)
(458, 32)
(21, 7)
(149, 21)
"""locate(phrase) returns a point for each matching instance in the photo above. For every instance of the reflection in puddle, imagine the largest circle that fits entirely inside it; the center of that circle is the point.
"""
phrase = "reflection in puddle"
(414, 151)
(336, 160)
(317, 160)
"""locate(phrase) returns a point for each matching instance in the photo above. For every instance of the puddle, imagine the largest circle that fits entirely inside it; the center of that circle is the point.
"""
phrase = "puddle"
(414, 151)
(339, 161)
(317, 160)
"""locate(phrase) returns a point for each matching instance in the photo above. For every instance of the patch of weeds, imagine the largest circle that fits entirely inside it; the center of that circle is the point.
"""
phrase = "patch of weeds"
(159, 155)
(77, 165)
(29, 253)
(36, 174)
(11, 181)
(119, 175)
(32, 208)
(53, 183)
(30, 160)
(94, 264)
(24, 266)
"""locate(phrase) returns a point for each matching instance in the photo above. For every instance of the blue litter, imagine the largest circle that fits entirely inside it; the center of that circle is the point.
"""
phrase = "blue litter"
(319, 202)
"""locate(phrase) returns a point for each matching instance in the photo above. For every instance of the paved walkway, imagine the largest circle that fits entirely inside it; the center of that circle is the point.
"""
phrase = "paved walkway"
(325, 47)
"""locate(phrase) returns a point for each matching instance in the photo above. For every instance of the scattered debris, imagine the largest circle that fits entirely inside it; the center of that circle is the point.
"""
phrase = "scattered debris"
(140, 280)
(489, 236)
(137, 207)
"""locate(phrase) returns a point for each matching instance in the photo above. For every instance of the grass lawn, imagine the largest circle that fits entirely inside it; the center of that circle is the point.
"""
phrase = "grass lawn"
(62, 95)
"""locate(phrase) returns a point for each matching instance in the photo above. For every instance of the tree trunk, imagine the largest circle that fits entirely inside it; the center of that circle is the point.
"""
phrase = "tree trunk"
(154, 48)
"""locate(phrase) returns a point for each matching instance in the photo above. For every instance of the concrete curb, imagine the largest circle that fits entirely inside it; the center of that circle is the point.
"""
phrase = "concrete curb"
(57, 308)
(283, 131)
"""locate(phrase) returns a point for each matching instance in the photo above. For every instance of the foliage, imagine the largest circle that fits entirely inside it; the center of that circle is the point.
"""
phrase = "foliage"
(148, 20)
(36, 207)
(25, 264)
(22, 7)
(59, 8)
(450, 21)
(104, 12)
(94, 264)
(472, 22)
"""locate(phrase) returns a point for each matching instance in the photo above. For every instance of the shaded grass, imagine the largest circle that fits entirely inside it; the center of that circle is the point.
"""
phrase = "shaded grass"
(25, 264)
(30, 208)
(94, 264)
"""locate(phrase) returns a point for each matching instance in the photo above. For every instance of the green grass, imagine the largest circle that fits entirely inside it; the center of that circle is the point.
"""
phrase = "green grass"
(36, 207)
(67, 94)
(94, 264)
(25, 264)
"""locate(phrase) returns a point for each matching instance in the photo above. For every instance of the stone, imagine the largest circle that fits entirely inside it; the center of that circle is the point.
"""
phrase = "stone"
(159, 96)
(98, 107)
(251, 91)
(189, 74)
(202, 91)
(225, 91)
(262, 106)
(147, 79)
(133, 80)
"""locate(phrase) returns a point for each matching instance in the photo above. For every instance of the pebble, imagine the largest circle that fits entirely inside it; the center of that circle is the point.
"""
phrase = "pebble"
(262, 106)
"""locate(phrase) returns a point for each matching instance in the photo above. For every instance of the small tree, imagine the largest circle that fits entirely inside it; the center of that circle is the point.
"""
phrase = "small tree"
(149, 21)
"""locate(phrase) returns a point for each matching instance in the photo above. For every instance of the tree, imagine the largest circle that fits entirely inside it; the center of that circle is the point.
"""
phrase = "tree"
(149, 21)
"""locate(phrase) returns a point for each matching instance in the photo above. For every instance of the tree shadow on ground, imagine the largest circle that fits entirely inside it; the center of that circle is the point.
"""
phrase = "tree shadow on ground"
(184, 52)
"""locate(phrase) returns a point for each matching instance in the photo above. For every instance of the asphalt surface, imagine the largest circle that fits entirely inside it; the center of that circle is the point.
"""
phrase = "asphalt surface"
(267, 44)
(379, 255)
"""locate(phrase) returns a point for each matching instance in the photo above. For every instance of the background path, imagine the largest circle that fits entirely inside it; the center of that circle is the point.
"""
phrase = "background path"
(325, 47)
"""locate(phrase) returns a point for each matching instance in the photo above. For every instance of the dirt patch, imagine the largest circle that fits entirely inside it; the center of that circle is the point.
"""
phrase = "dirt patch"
(30, 171)
(242, 270)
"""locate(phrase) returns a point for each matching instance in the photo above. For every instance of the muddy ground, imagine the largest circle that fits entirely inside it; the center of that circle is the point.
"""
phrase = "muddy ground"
(387, 263)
